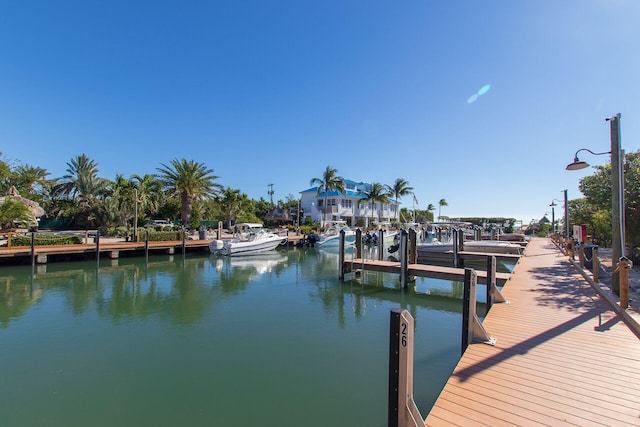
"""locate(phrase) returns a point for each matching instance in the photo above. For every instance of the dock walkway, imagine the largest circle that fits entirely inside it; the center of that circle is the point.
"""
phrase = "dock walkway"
(562, 356)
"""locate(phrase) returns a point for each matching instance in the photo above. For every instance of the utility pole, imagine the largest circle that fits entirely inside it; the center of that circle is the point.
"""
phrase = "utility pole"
(270, 192)
(617, 199)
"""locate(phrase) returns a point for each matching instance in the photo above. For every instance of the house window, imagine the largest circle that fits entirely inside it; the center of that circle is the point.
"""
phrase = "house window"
(332, 202)
(320, 203)
(346, 203)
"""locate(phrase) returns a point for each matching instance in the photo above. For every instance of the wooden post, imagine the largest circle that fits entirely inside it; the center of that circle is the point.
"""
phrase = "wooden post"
(572, 253)
(491, 280)
(97, 245)
(581, 255)
(380, 244)
(402, 409)
(456, 260)
(8, 239)
(472, 329)
(33, 249)
(184, 243)
(624, 265)
(146, 246)
(596, 265)
(413, 247)
(358, 243)
(341, 256)
(403, 259)
(470, 280)
(219, 230)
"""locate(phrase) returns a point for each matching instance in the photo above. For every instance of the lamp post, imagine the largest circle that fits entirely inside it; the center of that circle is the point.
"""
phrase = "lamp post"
(553, 216)
(567, 233)
(617, 193)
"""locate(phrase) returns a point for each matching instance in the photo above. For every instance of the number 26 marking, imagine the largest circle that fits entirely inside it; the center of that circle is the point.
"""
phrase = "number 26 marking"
(404, 335)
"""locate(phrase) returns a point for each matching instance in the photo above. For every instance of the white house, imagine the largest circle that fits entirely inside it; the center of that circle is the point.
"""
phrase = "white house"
(349, 206)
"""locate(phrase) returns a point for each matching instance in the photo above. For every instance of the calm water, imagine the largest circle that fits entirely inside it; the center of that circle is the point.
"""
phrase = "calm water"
(267, 340)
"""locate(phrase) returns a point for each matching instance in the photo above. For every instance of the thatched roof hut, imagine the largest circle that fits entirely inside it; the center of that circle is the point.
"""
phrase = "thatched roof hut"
(34, 207)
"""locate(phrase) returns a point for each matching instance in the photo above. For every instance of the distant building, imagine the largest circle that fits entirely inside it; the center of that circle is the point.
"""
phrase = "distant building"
(349, 206)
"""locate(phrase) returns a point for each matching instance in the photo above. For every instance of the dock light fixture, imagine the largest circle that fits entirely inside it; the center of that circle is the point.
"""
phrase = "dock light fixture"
(617, 193)
(553, 215)
(577, 164)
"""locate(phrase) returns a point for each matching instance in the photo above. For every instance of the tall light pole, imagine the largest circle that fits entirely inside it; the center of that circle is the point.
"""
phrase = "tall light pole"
(553, 216)
(617, 194)
(567, 233)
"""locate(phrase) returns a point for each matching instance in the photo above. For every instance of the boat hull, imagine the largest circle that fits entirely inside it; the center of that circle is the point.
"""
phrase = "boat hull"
(245, 248)
(349, 239)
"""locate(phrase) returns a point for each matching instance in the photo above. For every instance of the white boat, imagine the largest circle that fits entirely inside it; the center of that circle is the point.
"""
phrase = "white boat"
(493, 246)
(486, 246)
(248, 238)
(331, 235)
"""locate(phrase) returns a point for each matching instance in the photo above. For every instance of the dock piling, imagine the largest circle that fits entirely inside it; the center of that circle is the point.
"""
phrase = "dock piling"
(402, 409)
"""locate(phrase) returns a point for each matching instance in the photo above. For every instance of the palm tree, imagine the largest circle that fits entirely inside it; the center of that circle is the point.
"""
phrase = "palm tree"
(330, 181)
(399, 188)
(430, 208)
(122, 194)
(29, 180)
(190, 180)
(14, 210)
(377, 192)
(149, 193)
(82, 181)
(231, 203)
(441, 203)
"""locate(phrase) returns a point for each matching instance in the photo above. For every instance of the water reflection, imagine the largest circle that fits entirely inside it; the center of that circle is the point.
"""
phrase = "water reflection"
(182, 290)
(184, 332)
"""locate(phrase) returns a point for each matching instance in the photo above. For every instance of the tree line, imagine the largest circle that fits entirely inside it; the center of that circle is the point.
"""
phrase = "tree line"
(595, 208)
(182, 188)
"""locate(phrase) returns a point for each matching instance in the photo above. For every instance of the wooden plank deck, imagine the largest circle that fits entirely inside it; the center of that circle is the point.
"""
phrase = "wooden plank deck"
(25, 251)
(562, 356)
(421, 270)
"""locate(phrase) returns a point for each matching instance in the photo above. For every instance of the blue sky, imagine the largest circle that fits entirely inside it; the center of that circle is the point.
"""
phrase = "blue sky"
(271, 92)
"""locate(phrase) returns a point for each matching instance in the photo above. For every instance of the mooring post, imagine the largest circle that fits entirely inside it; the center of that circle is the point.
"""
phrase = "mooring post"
(97, 245)
(341, 256)
(470, 280)
(472, 329)
(596, 265)
(33, 249)
(624, 265)
(491, 280)
(402, 409)
(413, 247)
(403, 259)
(455, 248)
(380, 244)
(146, 246)
(184, 243)
(358, 243)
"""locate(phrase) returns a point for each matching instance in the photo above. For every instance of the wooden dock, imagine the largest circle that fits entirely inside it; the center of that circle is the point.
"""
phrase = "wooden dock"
(562, 357)
(108, 249)
(420, 270)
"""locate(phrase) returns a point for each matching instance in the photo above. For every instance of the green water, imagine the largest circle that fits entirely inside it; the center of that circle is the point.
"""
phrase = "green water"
(267, 340)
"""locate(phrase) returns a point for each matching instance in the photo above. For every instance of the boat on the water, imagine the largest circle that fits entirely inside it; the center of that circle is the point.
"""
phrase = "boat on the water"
(248, 238)
(486, 246)
(331, 235)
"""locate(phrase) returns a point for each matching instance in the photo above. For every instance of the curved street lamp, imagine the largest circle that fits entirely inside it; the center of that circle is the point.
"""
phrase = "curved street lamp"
(553, 215)
(577, 164)
(617, 196)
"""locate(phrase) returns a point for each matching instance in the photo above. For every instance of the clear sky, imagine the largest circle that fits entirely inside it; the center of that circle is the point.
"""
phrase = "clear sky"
(482, 103)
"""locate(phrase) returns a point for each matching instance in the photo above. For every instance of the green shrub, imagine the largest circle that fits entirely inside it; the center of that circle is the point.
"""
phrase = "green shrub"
(159, 236)
(46, 240)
